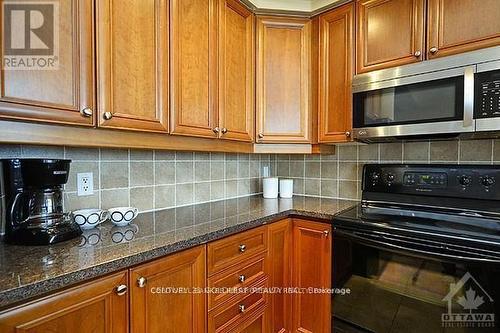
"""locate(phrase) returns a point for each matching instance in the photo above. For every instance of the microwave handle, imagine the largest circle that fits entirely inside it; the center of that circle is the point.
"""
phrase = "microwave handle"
(468, 96)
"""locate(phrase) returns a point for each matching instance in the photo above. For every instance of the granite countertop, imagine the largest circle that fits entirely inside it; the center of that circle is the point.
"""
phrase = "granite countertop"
(27, 272)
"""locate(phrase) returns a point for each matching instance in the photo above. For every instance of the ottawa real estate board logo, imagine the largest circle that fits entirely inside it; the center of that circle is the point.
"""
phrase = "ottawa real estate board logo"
(469, 305)
(30, 35)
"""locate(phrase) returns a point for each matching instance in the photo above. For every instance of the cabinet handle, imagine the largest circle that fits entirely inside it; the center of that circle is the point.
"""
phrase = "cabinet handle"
(224, 130)
(216, 130)
(242, 308)
(141, 282)
(242, 248)
(417, 54)
(241, 278)
(261, 136)
(107, 115)
(121, 290)
(86, 112)
(348, 134)
(433, 50)
(326, 233)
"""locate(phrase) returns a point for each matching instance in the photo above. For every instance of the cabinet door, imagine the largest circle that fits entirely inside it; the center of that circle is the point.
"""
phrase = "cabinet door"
(389, 33)
(193, 67)
(132, 57)
(97, 306)
(312, 254)
(336, 29)
(236, 71)
(155, 309)
(54, 94)
(456, 26)
(280, 237)
(283, 83)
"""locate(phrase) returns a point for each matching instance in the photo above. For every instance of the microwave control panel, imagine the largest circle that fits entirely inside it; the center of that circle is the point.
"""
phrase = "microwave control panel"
(487, 94)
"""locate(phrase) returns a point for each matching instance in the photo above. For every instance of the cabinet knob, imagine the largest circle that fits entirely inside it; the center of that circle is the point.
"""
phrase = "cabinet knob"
(433, 50)
(121, 290)
(216, 130)
(241, 278)
(261, 136)
(242, 308)
(417, 54)
(326, 233)
(86, 112)
(242, 248)
(108, 115)
(141, 282)
(224, 130)
(348, 134)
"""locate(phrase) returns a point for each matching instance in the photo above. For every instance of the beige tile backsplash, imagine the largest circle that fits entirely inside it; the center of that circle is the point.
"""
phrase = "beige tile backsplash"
(161, 179)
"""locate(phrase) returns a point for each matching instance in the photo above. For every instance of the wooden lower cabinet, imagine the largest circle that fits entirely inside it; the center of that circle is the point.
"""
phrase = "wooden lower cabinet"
(99, 306)
(154, 309)
(168, 294)
(311, 268)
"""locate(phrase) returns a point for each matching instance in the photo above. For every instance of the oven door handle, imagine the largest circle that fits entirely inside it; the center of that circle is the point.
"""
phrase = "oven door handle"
(382, 244)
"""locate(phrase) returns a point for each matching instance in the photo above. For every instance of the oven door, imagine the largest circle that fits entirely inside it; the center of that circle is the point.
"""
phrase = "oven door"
(433, 103)
(388, 284)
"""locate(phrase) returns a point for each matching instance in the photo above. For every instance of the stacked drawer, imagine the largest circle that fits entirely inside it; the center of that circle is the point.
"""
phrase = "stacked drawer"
(235, 263)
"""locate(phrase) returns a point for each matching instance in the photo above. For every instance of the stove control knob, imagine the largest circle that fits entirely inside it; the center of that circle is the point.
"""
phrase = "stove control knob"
(375, 177)
(390, 177)
(488, 181)
(465, 180)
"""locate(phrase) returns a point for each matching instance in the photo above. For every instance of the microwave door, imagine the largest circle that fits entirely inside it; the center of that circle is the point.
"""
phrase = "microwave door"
(426, 104)
(487, 97)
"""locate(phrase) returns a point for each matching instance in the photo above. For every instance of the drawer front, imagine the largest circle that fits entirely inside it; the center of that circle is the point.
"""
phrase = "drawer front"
(234, 249)
(224, 319)
(239, 276)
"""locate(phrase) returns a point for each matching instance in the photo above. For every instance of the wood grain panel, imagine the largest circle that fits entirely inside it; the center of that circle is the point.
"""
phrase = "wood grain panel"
(389, 33)
(193, 73)
(57, 96)
(90, 307)
(456, 26)
(312, 260)
(279, 270)
(236, 71)
(283, 82)
(336, 29)
(132, 58)
(153, 311)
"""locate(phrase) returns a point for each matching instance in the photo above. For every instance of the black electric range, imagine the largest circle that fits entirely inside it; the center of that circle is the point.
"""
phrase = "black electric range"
(421, 252)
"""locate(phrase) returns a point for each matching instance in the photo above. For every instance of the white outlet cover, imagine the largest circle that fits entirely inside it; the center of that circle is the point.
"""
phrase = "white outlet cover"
(85, 183)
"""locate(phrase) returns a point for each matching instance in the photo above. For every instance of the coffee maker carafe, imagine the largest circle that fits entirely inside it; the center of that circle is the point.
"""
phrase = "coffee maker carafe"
(33, 201)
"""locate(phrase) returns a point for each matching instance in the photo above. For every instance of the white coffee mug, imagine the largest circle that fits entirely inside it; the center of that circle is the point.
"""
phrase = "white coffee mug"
(286, 188)
(270, 188)
(121, 216)
(89, 218)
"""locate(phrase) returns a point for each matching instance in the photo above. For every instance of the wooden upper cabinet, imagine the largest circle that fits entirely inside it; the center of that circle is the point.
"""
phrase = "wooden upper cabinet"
(336, 57)
(389, 33)
(456, 26)
(154, 311)
(97, 306)
(283, 82)
(311, 267)
(54, 94)
(132, 55)
(193, 73)
(236, 71)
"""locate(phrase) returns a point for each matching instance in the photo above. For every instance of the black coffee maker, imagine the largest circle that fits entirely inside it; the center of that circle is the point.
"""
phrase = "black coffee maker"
(33, 201)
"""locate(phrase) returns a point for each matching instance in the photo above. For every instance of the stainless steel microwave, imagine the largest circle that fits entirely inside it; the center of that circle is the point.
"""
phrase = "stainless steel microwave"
(451, 96)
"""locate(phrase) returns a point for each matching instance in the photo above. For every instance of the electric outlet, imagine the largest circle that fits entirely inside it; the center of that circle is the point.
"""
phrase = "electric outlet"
(85, 183)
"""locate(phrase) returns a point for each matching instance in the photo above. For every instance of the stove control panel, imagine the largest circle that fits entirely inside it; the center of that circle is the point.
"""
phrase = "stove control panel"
(467, 181)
